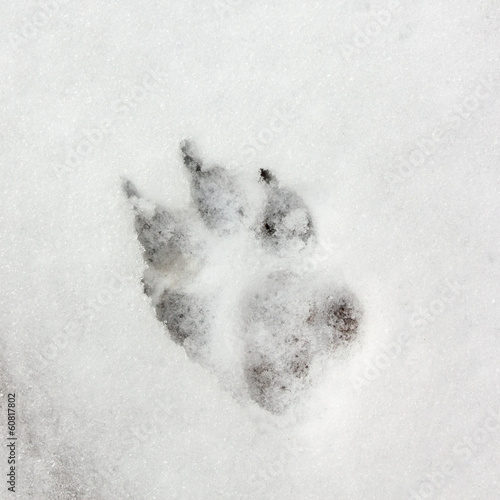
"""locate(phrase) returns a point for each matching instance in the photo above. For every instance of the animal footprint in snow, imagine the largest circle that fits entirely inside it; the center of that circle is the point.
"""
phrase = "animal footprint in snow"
(222, 277)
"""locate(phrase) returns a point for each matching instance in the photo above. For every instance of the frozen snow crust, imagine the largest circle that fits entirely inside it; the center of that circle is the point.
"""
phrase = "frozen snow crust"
(384, 120)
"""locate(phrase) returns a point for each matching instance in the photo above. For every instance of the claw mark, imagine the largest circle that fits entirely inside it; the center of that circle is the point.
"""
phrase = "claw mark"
(189, 156)
(286, 217)
(216, 194)
(267, 176)
(129, 189)
(157, 229)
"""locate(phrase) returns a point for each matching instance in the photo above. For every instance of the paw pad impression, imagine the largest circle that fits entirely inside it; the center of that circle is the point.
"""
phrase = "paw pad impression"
(283, 321)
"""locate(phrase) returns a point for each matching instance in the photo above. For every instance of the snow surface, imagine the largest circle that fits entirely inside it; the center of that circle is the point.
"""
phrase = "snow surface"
(384, 115)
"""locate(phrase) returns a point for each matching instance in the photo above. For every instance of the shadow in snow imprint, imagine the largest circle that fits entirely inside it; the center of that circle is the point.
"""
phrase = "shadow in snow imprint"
(284, 321)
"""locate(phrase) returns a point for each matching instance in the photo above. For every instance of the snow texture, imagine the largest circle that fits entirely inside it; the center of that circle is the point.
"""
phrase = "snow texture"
(330, 227)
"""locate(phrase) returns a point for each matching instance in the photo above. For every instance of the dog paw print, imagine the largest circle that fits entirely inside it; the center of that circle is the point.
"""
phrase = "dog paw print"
(224, 280)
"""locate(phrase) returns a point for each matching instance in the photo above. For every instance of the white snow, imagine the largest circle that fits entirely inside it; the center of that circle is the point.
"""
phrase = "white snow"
(384, 117)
